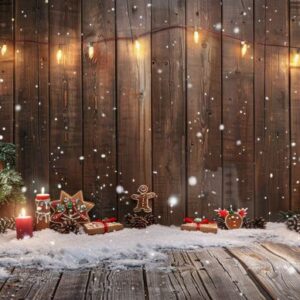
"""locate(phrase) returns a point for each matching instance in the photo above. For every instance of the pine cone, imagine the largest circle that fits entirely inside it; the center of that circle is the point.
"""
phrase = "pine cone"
(7, 223)
(220, 222)
(129, 219)
(259, 222)
(151, 219)
(293, 223)
(66, 227)
(139, 222)
(247, 223)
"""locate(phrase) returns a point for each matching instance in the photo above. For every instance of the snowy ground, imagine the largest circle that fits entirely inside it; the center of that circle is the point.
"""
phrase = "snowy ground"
(126, 248)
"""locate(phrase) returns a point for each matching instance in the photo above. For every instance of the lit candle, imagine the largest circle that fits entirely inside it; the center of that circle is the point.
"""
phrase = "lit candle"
(42, 213)
(24, 225)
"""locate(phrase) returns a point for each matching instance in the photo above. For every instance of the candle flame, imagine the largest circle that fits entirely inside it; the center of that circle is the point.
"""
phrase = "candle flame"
(23, 213)
(91, 51)
(59, 55)
(3, 49)
(42, 190)
(196, 37)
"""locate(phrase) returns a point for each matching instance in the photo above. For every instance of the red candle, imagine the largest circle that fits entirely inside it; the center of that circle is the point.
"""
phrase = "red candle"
(24, 225)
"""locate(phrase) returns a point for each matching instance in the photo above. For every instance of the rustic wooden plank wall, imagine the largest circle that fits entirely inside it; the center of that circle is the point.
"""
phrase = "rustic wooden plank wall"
(201, 123)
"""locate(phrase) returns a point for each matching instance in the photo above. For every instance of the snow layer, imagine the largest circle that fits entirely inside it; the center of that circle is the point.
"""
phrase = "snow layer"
(129, 247)
(4, 273)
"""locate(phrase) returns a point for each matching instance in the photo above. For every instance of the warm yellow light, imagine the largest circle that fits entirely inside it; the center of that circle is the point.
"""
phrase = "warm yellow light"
(59, 56)
(296, 59)
(91, 51)
(196, 37)
(244, 48)
(137, 45)
(23, 213)
(3, 49)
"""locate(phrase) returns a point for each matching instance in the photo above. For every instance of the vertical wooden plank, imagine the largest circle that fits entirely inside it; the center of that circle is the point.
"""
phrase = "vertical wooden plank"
(272, 172)
(65, 97)
(238, 153)
(6, 70)
(261, 204)
(295, 103)
(204, 107)
(134, 98)
(31, 91)
(169, 109)
(99, 106)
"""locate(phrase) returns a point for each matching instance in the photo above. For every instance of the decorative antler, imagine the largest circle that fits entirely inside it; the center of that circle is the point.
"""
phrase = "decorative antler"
(222, 212)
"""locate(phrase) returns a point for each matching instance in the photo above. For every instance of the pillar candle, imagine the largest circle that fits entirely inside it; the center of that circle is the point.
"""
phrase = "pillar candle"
(42, 214)
(24, 225)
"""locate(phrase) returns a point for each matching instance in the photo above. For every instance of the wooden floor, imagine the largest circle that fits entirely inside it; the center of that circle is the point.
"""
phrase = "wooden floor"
(266, 271)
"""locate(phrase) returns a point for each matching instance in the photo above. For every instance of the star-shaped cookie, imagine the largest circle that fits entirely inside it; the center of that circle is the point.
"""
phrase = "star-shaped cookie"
(71, 208)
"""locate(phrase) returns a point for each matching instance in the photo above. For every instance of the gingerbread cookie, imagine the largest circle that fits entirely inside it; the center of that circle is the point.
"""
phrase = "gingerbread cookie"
(143, 199)
(233, 219)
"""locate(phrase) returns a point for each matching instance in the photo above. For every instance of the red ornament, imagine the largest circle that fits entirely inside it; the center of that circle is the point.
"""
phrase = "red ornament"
(222, 212)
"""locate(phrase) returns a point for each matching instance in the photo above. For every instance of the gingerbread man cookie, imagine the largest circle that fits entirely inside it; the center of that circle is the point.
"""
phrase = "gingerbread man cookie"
(143, 199)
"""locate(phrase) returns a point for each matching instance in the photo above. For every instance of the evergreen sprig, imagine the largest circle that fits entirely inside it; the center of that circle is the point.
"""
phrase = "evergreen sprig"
(11, 184)
(8, 154)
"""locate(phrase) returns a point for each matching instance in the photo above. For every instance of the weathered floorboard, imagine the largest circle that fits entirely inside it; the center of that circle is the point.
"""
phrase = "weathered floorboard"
(116, 284)
(169, 110)
(277, 276)
(289, 253)
(134, 99)
(99, 104)
(220, 284)
(203, 107)
(30, 284)
(72, 285)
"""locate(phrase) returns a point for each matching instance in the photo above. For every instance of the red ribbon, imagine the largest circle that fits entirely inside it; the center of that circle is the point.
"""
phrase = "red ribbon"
(198, 224)
(105, 222)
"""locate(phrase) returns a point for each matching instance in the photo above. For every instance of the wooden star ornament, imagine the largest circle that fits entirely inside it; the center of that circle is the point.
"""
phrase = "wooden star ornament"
(71, 208)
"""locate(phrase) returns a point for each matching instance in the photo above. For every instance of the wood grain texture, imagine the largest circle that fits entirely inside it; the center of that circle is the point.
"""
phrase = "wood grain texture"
(272, 174)
(204, 107)
(272, 272)
(294, 104)
(238, 153)
(30, 284)
(210, 265)
(31, 91)
(65, 97)
(116, 284)
(134, 99)
(7, 71)
(169, 109)
(72, 285)
(99, 103)
(286, 252)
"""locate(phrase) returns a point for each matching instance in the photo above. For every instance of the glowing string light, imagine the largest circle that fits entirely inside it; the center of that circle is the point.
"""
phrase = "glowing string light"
(244, 48)
(296, 59)
(59, 55)
(91, 51)
(137, 45)
(3, 49)
(196, 37)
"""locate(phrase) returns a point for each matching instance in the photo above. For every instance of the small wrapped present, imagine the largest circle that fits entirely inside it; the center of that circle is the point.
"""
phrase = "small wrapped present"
(102, 226)
(197, 224)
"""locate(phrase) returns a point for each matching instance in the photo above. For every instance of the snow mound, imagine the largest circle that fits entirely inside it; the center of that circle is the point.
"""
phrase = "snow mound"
(126, 248)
